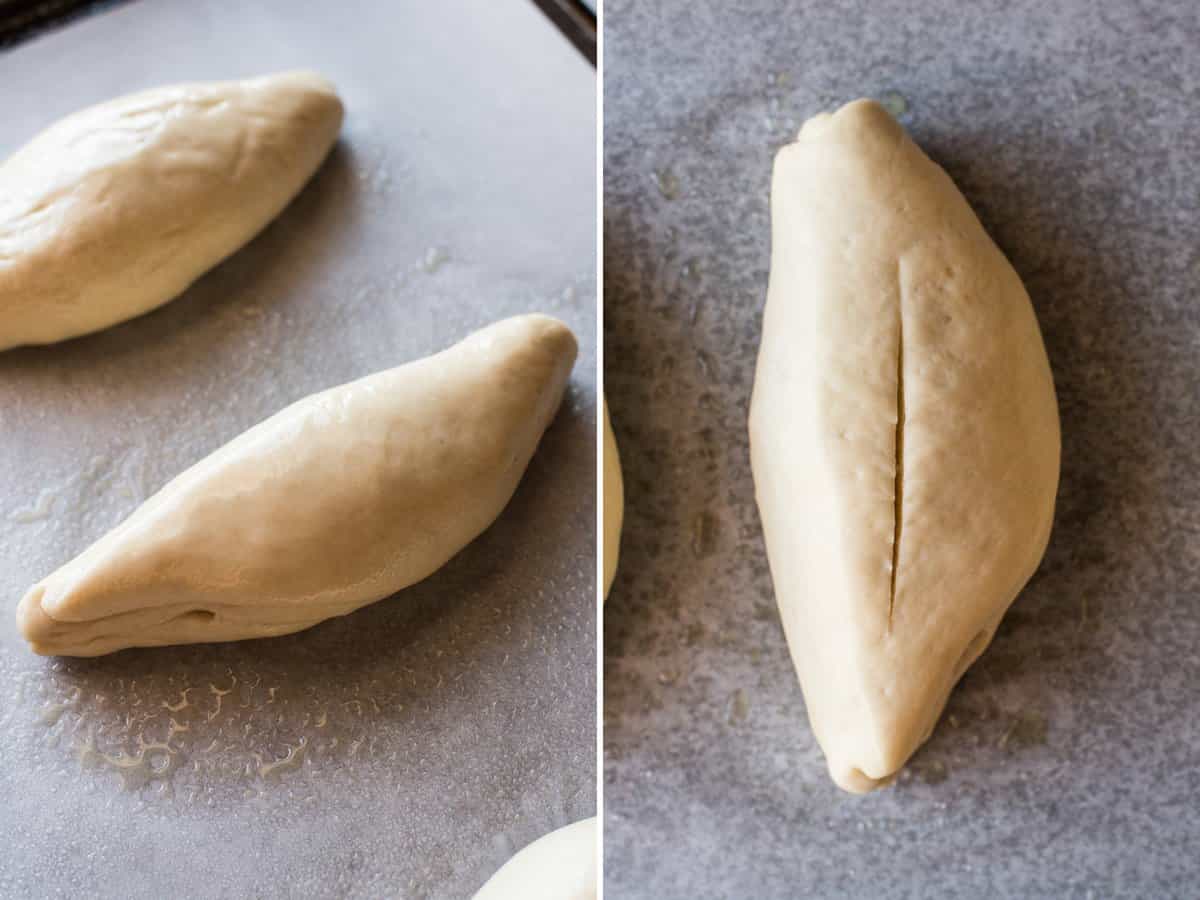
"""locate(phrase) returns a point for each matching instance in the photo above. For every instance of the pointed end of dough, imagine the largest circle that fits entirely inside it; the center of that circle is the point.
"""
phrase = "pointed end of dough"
(32, 622)
(814, 127)
(856, 116)
(546, 333)
(561, 338)
(881, 741)
(855, 781)
(874, 745)
(319, 96)
(304, 80)
(551, 350)
(535, 349)
(553, 331)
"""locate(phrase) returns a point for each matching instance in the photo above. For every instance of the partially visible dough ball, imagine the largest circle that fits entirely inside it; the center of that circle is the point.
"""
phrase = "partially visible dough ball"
(614, 503)
(558, 866)
(116, 209)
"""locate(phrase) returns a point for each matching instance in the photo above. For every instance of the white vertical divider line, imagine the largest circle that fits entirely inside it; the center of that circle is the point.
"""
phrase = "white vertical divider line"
(600, 449)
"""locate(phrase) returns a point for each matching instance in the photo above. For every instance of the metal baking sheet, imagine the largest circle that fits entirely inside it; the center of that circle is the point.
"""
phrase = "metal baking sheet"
(408, 749)
(1068, 763)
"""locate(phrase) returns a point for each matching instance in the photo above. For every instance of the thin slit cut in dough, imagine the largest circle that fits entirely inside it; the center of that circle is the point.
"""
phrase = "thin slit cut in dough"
(340, 500)
(904, 436)
(115, 210)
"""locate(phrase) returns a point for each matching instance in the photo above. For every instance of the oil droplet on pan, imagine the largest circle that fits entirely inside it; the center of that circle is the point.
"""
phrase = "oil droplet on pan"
(1027, 730)
(290, 763)
(434, 259)
(739, 707)
(52, 713)
(41, 508)
(705, 534)
(668, 184)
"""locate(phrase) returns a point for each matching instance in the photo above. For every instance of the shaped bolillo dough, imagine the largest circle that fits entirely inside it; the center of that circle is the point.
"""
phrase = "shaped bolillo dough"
(115, 210)
(904, 436)
(614, 503)
(558, 866)
(337, 501)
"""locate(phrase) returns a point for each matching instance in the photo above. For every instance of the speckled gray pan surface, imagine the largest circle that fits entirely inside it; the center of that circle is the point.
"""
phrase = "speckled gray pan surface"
(1068, 763)
(405, 750)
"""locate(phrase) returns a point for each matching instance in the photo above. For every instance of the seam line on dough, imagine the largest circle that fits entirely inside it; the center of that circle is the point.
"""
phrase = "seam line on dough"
(898, 490)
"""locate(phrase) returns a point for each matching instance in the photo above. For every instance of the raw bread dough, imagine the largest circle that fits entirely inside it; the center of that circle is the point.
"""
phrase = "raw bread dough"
(116, 209)
(559, 866)
(904, 435)
(614, 503)
(337, 501)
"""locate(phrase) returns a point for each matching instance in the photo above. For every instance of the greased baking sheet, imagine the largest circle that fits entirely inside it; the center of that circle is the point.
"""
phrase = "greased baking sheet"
(405, 750)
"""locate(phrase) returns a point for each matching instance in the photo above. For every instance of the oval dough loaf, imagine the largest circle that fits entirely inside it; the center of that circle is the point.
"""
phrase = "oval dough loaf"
(115, 210)
(341, 499)
(904, 436)
(558, 866)
(614, 503)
